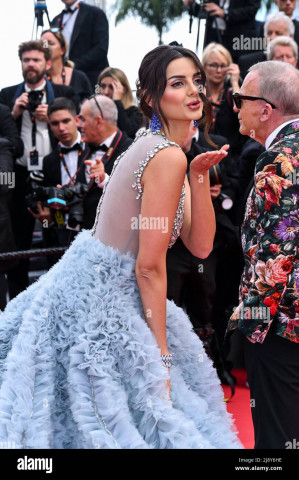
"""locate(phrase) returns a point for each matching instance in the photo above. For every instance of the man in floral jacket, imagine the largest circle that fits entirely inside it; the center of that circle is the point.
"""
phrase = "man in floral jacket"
(268, 313)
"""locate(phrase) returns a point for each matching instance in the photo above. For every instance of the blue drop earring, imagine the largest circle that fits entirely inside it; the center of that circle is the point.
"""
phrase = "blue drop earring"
(195, 123)
(155, 124)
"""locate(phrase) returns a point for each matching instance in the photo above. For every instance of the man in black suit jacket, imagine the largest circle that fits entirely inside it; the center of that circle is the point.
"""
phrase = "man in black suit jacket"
(87, 32)
(32, 123)
(233, 17)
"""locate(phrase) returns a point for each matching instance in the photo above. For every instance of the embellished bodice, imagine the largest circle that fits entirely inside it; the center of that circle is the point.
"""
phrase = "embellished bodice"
(120, 204)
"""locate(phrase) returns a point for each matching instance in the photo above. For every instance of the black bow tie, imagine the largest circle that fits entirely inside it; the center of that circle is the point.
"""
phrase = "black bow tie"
(94, 148)
(65, 150)
(68, 10)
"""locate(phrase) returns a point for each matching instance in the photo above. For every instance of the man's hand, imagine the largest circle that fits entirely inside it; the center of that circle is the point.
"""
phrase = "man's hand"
(97, 169)
(215, 190)
(20, 105)
(41, 113)
(44, 213)
(214, 10)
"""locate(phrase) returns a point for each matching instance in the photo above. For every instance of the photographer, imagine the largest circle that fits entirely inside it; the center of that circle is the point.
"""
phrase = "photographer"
(69, 166)
(227, 20)
(28, 102)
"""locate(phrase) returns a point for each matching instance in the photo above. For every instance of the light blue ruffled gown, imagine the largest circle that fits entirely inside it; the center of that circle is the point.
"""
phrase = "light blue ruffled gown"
(80, 368)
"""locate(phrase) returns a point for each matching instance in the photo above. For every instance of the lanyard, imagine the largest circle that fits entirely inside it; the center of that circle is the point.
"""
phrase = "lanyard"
(107, 155)
(62, 159)
(71, 12)
(63, 75)
(34, 129)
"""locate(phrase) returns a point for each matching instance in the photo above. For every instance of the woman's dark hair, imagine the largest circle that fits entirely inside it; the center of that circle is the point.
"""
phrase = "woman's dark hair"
(62, 103)
(152, 81)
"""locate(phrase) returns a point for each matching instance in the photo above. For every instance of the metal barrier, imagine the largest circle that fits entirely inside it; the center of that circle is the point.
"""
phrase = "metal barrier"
(38, 252)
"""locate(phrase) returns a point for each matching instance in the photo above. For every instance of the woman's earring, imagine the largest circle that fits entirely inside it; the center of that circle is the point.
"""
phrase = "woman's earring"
(155, 124)
(195, 123)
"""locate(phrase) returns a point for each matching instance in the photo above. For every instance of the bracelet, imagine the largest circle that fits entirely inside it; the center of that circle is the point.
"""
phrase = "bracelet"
(167, 360)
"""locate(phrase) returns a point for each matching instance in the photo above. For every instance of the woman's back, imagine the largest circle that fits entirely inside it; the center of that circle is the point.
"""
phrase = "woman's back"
(118, 216)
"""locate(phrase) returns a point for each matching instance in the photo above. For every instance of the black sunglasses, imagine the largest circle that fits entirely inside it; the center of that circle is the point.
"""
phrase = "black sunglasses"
(97, 103)
(238, 99)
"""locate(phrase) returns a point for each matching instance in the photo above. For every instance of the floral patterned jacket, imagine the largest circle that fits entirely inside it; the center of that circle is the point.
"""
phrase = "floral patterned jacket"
(269, 290)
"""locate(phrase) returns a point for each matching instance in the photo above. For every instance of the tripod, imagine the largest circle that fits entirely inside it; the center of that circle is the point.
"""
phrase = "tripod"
(199, 11)
(40, 7)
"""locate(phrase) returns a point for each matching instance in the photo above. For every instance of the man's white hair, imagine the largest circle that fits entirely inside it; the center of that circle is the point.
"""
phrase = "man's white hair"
(279, 83)
(280, 17)
(284, 41)
(108, 107)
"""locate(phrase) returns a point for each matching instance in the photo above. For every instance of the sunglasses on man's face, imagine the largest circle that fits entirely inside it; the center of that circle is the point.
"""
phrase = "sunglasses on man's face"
(238, 99)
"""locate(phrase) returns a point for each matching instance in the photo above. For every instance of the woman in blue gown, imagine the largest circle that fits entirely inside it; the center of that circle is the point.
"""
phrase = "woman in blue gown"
(92, 354)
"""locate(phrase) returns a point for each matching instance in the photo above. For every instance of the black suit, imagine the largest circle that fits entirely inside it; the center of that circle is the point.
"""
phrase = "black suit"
(22, 220)
(246, 61)
(89, 41)
(239, 21)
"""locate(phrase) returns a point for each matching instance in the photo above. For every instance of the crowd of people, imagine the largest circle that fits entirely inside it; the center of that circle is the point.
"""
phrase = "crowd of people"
(63, 131)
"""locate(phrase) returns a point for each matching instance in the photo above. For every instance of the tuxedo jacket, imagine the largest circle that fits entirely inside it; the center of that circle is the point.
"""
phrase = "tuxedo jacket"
(89, 41)
(269, 290)
(239, 21)
(246, 61)
(52, 177)
(8, 96)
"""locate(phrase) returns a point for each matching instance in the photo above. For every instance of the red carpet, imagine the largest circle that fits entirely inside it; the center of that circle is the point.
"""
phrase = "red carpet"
(239, 407)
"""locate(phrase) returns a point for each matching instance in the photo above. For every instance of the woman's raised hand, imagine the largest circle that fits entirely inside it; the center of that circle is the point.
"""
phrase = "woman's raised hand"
(118, 89)
(201, 164)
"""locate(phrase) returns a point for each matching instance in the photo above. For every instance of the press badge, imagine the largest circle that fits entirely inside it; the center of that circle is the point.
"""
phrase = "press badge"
(34, 162)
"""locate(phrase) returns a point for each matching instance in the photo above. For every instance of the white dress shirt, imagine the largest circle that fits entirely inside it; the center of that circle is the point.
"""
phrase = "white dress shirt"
(43, 144)
(68, 21)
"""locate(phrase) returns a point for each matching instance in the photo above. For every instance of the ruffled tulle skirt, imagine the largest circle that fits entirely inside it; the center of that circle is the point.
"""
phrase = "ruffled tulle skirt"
(80, 368)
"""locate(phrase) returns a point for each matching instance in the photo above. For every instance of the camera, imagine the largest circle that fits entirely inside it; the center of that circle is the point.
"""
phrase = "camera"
(35, 99)
(224, 201)
(195, 9)
(67, 198)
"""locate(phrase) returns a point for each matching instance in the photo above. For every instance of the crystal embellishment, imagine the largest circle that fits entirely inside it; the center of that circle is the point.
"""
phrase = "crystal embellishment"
(178, 221)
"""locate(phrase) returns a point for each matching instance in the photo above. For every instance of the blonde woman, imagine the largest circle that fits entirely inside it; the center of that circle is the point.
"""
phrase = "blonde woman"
(113, 83)
(223, 79)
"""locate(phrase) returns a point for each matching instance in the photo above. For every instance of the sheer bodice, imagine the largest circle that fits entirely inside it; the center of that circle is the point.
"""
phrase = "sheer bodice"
(119, 208)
